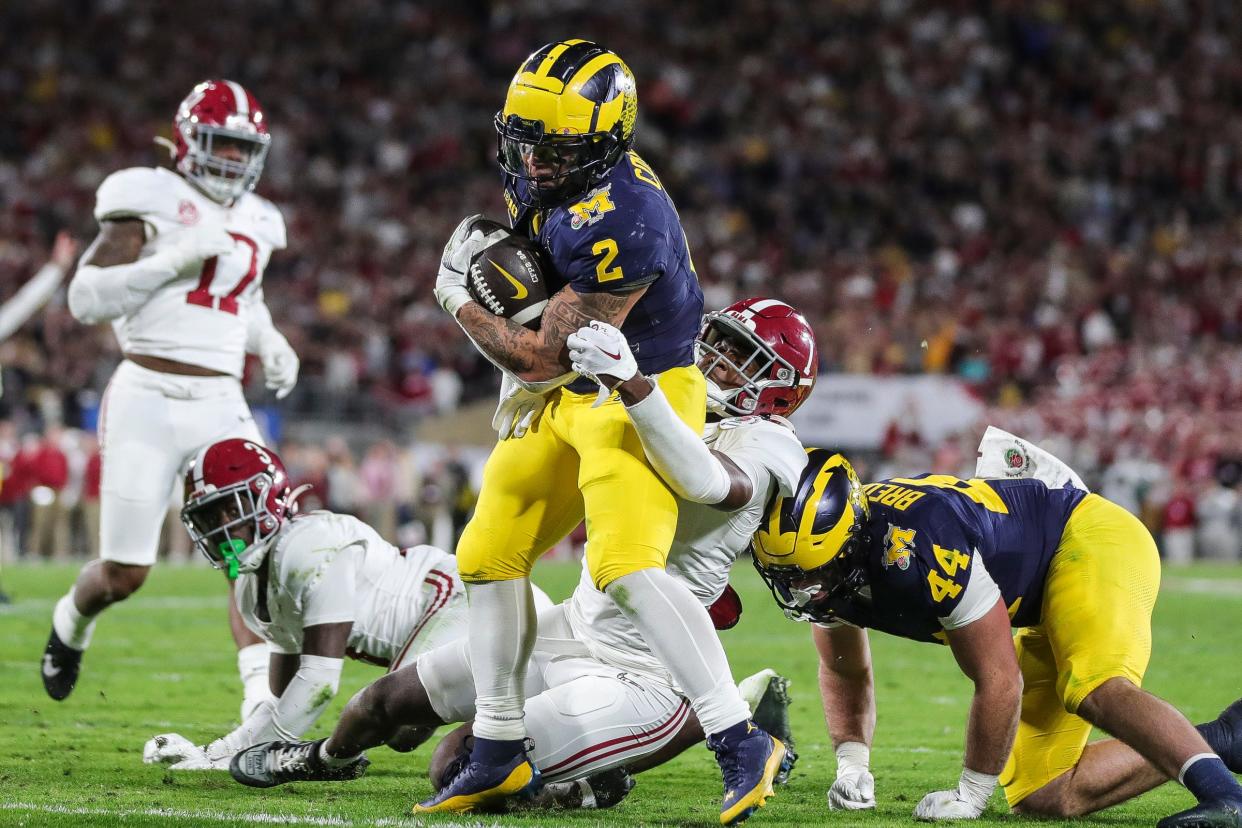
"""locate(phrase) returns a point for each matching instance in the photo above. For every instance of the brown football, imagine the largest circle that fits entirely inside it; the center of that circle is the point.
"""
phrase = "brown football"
(508, 278)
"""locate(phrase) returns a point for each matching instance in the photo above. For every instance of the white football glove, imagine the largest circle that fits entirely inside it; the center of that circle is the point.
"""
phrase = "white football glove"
(969, 801)
(465, 243)
(516, 410)
(179, 753)
(280, 363)
(601, 352)
(854, 787)
(195, 245)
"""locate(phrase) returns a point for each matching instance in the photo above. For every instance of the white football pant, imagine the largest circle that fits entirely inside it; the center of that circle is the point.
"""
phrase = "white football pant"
(583, 715)
(150, 426)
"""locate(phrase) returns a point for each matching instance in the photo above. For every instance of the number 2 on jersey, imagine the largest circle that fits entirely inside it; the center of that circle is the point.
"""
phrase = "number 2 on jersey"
(202, 295)
(604, 272)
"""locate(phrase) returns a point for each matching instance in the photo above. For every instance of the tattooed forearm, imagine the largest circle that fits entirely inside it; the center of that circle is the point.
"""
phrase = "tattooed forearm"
(510, 345)
(542, 355)
(119, 242)
(567, 313)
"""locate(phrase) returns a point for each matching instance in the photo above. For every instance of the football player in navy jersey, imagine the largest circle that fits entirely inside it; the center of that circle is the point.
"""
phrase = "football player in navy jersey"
(935, 558)
(573, 182)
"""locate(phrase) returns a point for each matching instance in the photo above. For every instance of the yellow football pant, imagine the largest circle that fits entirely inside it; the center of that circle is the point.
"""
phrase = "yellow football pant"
(576, 462)
(1095, 625)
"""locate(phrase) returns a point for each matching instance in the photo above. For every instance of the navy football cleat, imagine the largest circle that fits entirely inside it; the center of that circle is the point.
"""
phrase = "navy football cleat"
(270, 764)
(749, 760)
(479, 787)
(1205, 815)
(60, 667)
(1224, 736)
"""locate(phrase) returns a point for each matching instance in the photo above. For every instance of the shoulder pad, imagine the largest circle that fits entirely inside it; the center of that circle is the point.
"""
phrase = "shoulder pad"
(268, 220)
(766, 444)
(131, 193)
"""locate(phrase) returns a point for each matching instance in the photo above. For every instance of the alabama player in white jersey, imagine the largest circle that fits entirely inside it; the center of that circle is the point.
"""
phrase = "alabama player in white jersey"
(597, 697)
(317, 587)
(177, 269)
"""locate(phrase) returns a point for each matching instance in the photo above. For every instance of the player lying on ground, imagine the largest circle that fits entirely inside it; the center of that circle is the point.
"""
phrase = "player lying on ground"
(934, 558)
(597, 697)
(618, 253)
(317, 587)
(177, 269)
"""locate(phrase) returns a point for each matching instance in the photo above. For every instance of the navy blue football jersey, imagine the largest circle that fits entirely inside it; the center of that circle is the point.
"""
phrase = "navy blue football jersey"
(623, 234)
(923, 534)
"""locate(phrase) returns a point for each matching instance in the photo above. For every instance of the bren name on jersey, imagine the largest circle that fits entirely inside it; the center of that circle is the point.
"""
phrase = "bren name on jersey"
(890, 494)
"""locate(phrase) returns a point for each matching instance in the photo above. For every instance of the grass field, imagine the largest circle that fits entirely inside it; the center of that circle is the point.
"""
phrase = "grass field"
(164, 662)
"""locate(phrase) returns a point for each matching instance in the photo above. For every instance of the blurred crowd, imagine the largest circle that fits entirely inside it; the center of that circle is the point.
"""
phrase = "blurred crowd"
(1036, 198)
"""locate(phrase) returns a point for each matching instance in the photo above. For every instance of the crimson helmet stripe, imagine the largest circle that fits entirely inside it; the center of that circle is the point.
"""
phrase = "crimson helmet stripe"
(240, 97)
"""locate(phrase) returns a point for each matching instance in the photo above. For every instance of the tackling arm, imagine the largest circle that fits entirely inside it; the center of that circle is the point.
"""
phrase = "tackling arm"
(692, 470)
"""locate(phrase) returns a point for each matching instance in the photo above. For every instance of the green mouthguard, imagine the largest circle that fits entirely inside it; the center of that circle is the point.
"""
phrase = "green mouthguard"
(231, 550)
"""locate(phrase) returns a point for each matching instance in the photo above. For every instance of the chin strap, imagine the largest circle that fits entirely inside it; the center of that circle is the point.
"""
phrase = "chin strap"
(168, 145)
(230, 550)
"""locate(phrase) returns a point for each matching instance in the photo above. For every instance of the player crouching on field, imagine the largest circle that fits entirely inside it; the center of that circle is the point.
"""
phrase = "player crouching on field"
(316, 587)
(597, 697)
(934, 558)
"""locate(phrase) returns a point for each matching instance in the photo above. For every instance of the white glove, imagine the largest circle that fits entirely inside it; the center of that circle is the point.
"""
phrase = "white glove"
(465, 243)
(854, 788)
(280, 363)
(179, 753)
(601, 352)
(516, 410)
(196, 245)
(969, 801)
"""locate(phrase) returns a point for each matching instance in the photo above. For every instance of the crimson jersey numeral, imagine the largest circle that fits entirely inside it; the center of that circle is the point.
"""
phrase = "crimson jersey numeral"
(201, 295)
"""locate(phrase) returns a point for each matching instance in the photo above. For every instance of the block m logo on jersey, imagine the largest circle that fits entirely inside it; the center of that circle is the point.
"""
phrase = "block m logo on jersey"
(592, 208)
(899, 546)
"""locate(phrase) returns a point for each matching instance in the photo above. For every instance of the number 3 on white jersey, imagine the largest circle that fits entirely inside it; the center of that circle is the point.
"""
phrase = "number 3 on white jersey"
(202, 294)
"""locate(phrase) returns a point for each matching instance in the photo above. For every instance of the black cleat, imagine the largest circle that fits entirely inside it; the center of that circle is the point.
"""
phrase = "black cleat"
(610, 787)
(1205, 815)
(601, 790)
(1224, 736)
(60, 667)
(768, 694)
(274, 763)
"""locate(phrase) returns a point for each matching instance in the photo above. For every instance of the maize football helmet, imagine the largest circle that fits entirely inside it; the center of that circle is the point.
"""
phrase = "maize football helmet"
(811, 547)
(568, 119)
(232, 485)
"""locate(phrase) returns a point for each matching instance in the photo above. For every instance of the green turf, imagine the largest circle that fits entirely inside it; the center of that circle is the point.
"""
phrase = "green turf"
(163, 662)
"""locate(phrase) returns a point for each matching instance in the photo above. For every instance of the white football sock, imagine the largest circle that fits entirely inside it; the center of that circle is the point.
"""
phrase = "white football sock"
(679, 632)
(502, 636)
(71, 626)
(252, 663)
